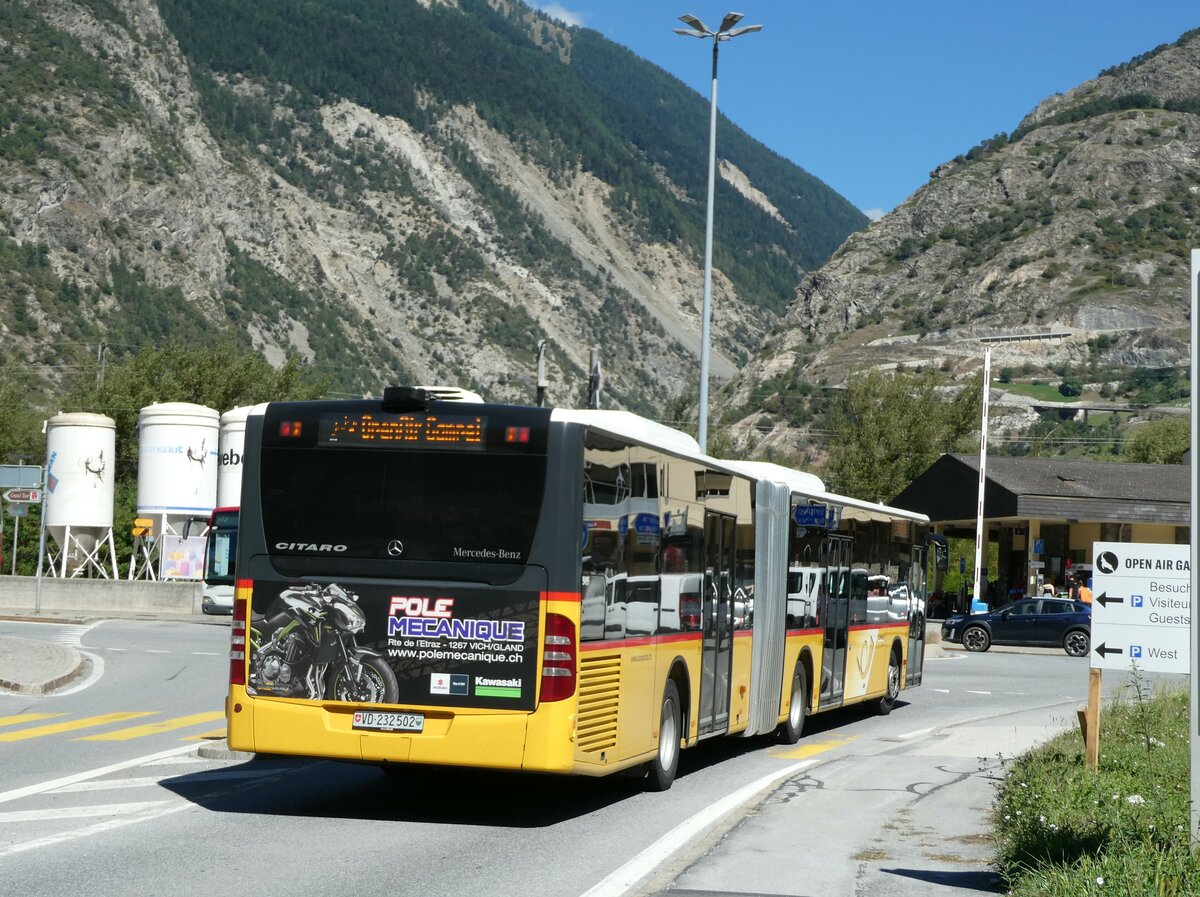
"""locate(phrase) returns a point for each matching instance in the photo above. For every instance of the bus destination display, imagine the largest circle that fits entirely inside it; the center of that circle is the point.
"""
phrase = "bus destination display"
(374, 428)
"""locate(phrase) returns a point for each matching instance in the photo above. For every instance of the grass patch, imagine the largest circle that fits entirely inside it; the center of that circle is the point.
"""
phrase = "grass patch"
(1065, 832)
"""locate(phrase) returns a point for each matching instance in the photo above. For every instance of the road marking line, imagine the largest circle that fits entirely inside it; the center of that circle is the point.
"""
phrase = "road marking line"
(197, 778)
(87, 723)
(917, 734)
(26, 718)
(166, 725)
(18, 793)
(810, 748)
(81, 812)
(978, 692)
(156, 651)
(222, 732)
(207, 654)
(942, 691)
(624, 878)
(109, 784)
(96, 674)
(186, 760)
(98, 829)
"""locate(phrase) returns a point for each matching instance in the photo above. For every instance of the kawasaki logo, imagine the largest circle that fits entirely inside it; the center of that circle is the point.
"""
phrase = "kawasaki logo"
(307, 546)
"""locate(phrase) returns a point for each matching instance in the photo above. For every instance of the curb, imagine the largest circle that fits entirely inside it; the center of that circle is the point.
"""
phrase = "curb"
(220, 750)
(49, 685)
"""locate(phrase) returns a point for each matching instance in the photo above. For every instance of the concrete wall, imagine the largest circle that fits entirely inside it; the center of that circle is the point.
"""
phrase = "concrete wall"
(18, 594)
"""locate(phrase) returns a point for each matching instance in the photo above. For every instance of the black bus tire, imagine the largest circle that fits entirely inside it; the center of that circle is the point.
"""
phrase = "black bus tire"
(790, 730)
(662, 769)
(888, 701)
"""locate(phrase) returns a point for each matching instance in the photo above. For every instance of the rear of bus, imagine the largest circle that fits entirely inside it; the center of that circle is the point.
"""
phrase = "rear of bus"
(416, 545)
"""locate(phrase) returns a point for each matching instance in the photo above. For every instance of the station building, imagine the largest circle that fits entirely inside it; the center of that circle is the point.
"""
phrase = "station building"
(1045, 513)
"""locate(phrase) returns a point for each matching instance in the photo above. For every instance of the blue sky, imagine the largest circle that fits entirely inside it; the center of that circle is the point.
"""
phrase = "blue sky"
(871, 96)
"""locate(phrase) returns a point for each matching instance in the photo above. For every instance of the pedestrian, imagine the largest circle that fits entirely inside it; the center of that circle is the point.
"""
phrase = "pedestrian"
(1085, 594)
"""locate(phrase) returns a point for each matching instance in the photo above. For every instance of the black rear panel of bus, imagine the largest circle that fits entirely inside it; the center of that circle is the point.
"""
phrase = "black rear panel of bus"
(437, 523)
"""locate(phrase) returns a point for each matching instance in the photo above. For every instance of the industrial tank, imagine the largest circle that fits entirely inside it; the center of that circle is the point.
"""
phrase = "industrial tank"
(229, 468)
(80, 453)
(177, 464)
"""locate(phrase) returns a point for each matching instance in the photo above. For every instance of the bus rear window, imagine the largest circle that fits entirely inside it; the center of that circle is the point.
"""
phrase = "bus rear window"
(407, 505)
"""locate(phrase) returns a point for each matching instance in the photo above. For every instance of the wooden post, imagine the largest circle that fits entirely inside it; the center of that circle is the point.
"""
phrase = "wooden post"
(1091, 729)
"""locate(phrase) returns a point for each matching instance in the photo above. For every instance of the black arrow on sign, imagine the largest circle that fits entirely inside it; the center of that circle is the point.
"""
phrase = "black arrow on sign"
(1103, 650)
(1104, 599)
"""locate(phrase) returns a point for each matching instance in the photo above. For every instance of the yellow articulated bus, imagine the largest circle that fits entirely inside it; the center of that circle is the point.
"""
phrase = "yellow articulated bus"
(457, 583)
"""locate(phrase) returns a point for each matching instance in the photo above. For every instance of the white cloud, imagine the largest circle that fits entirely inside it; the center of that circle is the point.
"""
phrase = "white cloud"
(874, 214)
(560, 12)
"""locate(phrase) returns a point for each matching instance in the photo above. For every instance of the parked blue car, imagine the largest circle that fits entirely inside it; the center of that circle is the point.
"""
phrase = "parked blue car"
(1042, 622)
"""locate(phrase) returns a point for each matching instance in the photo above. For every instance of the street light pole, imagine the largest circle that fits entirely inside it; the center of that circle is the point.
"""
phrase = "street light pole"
(725, 32)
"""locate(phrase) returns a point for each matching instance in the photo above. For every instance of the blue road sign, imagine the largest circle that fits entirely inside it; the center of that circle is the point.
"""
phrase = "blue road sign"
(811, 515)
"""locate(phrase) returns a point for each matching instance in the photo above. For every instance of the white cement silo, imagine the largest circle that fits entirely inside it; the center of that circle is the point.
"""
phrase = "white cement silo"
(80, 457)
(229, 466)
(177, 462)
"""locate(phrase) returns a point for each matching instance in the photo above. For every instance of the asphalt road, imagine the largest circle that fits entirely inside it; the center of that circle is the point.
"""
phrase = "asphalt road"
(893, 805)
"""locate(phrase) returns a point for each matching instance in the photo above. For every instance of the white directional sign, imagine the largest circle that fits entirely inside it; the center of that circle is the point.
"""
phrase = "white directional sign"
(1141, 606)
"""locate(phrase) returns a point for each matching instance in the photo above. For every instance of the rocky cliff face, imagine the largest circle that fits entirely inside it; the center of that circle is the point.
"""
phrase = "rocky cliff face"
(1066, 244)
(148, 196)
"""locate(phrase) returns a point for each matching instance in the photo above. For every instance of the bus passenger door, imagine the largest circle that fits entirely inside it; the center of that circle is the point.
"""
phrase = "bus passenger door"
(837, 621)
(719, 530)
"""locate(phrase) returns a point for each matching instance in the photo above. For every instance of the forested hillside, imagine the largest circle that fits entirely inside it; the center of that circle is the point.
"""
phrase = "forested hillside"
(388, 190)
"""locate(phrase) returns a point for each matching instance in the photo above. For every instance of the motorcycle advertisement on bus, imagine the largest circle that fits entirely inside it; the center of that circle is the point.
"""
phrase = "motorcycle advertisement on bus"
(383, 645)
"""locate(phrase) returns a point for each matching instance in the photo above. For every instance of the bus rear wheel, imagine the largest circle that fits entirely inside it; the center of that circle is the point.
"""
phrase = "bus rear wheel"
(888, 701)
(792, 728)
(663, 767)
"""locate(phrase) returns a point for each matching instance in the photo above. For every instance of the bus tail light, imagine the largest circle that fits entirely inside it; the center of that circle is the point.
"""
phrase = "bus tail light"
(558, 659)
(237, 632)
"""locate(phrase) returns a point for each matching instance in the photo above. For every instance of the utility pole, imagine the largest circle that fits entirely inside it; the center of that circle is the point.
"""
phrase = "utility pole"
(542, 383)
(594, 380)
(20, 459)
(983, 441)
(725, 32)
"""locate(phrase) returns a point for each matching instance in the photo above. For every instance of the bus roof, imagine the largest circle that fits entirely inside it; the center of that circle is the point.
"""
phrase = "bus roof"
(796, 480)
(649, 432)
(631, 426)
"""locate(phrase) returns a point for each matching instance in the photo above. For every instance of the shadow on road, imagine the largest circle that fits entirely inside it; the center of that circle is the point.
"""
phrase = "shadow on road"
(302, 787)
(979, 880)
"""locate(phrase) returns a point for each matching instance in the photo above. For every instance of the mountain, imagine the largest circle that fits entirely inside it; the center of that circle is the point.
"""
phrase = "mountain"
(1064, 246)
(394, 191)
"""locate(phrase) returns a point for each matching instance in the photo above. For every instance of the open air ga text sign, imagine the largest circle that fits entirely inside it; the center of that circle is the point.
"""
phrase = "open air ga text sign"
(1141, 606)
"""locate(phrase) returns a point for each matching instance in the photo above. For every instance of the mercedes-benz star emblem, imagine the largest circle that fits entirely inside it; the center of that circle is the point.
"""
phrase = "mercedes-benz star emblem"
(395, 548)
